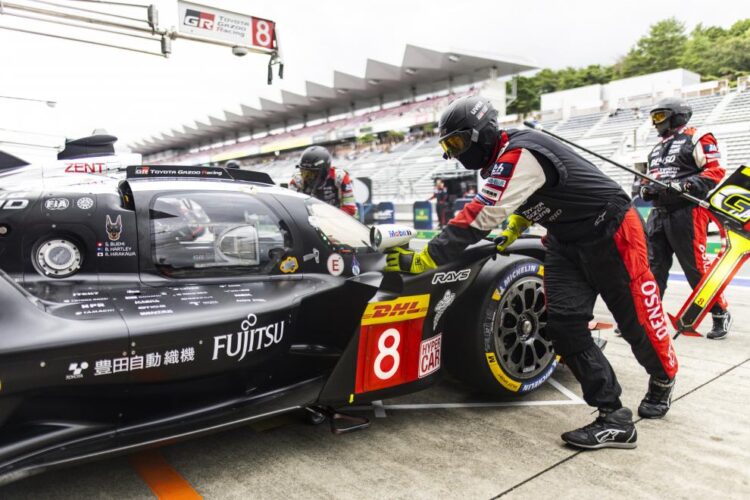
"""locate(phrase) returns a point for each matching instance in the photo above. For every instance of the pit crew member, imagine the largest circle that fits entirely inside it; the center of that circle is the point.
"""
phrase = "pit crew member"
(595, 245)
(318, 178)
(689, 161)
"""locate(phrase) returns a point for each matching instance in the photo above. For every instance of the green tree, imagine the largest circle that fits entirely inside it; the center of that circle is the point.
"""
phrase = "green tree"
(660, 50)
(711, 51)
(700, 55)
(530, 89)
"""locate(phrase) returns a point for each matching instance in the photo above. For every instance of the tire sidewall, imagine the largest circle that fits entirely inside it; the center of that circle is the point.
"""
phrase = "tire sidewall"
(493, 370)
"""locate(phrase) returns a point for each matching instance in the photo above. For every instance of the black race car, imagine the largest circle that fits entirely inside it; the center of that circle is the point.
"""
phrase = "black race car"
(147, 304)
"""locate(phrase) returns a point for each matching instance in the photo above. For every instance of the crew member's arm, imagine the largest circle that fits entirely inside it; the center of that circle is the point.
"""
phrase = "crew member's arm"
(515, 176)
(346, 193)
(296, 183)
(707, 156)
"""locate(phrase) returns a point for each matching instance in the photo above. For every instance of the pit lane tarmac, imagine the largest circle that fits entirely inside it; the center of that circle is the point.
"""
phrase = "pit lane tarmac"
(449, 443)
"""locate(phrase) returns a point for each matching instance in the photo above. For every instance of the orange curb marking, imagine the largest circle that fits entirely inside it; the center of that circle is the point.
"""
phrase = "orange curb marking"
(164, 481)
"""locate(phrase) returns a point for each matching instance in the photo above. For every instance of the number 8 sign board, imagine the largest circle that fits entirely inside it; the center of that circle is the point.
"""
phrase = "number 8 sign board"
(390, 343)
(218, 24)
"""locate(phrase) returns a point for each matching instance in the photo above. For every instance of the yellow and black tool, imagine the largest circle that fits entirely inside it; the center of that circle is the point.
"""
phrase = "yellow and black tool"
(729, 204)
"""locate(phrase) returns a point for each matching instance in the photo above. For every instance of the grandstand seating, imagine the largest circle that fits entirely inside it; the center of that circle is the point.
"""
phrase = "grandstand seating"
(738, 109)
(577, 126)
(737, 147)
(404, 172)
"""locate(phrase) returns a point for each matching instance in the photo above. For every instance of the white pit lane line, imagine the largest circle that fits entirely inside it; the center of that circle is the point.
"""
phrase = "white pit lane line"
(380, 409)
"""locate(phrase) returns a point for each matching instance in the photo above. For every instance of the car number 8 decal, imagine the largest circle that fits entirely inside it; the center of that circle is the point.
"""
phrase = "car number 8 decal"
(385, 351)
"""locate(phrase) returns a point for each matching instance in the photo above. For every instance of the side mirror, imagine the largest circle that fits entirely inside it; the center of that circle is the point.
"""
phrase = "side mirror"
(239, 245)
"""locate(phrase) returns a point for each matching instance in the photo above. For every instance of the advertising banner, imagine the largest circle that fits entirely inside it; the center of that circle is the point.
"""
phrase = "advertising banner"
(217, 24)
(422, 215)
(385, 213)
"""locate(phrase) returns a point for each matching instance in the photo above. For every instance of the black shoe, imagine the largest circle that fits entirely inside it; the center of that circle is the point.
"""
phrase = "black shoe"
(658, 399)
(722, 322)
(613, 429)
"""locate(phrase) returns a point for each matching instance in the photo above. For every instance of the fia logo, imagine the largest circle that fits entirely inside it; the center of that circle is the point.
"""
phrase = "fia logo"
(56, 204)
(114, 229)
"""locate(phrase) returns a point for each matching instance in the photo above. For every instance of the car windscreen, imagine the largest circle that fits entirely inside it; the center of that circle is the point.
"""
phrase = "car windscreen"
(337, 228)
(206, 234)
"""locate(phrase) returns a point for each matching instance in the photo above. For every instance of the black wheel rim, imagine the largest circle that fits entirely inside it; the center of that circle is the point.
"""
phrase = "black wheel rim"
(521, 346)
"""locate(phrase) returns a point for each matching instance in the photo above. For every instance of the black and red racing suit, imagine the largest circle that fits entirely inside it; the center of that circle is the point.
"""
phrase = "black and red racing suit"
(336, 189)
(595, 245)
(676, 226)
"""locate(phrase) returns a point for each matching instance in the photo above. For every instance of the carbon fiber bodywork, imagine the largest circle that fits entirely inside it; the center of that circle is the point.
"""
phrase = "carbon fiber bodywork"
(119, 354)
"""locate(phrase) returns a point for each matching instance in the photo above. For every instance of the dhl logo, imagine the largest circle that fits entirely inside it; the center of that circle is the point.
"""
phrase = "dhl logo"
(400, 309)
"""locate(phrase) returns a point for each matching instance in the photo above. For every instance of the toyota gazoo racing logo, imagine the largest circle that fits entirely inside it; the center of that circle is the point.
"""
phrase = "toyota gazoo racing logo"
(656, 318)
(198, 19)
(451, 276)
(142, 171)
(250, 338)
(75, 370)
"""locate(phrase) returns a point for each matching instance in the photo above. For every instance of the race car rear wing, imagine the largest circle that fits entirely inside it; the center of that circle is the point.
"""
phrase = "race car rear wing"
(178, 171)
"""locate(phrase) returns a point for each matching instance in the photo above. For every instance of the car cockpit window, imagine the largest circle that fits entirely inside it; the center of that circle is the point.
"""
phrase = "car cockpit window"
(205, 234)
(337, 228)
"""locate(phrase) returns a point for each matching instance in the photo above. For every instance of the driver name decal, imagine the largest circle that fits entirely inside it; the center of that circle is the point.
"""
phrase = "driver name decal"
(114, 247)
(250, 338)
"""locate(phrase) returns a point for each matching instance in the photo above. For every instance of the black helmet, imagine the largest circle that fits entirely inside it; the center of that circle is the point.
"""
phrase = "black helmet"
(669, 114)
(314, 165)
(232, 164)
(468, 131)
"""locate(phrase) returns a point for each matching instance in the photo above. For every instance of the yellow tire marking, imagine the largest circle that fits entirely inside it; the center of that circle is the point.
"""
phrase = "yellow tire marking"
(500, 375)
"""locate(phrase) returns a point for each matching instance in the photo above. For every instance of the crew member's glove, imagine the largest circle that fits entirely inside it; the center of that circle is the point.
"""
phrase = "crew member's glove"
(517, 224)
(678, 186)
(399, 260)
(648, 193)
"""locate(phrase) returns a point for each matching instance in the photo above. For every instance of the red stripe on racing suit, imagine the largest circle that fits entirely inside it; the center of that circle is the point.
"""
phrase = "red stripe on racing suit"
(631, 243)
(707, 156)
